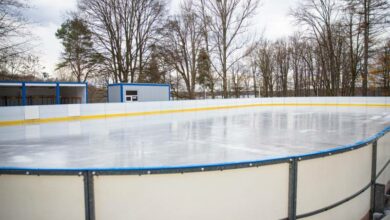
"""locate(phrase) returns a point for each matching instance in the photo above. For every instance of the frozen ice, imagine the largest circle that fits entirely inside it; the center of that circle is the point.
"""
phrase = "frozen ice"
(188, 138)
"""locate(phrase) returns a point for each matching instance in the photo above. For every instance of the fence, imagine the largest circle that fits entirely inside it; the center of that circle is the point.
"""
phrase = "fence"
(332, 184)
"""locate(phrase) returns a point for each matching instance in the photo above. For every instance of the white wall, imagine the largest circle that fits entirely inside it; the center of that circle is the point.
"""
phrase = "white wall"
(114, 94)
(59, 111)
(148, 93)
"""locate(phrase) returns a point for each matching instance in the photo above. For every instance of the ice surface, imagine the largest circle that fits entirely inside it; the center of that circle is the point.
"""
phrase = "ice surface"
(188, 138)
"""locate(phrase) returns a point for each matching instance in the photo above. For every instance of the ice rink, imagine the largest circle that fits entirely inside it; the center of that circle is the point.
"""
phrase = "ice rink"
(192, 138)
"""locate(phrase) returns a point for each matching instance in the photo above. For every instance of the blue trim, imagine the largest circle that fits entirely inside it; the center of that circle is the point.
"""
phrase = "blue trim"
(86, 92)
(356, 145)
(121, 91)
(138, 84)
(58, 100)
(71, 83)
(46, 83)
(24, 98)
(155, 168)
(169, 92)
(317, 154)
(107, 93)
(10, 81)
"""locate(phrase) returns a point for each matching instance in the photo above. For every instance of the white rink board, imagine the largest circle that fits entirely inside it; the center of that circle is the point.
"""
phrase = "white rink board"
(12, 113)
(250, 194)
(355, 209)
(383, 152)
(278, 128)
(325, 181)
(55, 111)
(41, 197)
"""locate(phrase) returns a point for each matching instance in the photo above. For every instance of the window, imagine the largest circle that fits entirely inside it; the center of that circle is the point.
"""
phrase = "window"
(131, 95)
(131, 92)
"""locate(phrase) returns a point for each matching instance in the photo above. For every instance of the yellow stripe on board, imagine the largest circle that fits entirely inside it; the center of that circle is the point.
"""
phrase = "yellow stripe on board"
(129, 114)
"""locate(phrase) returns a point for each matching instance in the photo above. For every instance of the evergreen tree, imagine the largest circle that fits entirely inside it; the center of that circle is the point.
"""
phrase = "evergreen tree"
(79, 55)
(152, 73)
(205, 79)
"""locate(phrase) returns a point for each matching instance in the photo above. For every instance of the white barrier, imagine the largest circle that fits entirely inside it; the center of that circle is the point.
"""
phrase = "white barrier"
(350, 210)
(241, 191)
(41, 197)
(20, 113)
(252, 193)
(383, 157)
(13, 113)
(324, 181)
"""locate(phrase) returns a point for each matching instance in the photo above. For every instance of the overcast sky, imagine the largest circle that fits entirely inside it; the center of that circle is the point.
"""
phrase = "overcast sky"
(47, 15)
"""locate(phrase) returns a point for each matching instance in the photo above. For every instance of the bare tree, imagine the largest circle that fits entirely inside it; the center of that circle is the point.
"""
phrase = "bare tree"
(149, 18)
(124, 31)
(227, 21)
(375, 13)
(352, 20)
(253, 68)
(209, 78)
(321, 19)
(266, 65)
(182, 44)
(297, 60)
(381, 69)
(24, 65)
(14, 37)
(201, 11)
(239, 80)
(282, 62)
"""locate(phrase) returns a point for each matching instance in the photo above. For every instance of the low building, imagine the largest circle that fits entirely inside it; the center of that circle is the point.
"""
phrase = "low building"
(138, 92)
(42, 93)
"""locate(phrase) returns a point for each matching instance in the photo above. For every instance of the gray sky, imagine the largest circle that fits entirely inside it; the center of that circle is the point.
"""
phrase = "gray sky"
(47, 15)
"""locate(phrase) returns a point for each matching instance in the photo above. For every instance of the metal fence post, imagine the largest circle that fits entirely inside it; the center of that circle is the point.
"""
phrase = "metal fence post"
(292, 189)
(373, 177)
(89, 196)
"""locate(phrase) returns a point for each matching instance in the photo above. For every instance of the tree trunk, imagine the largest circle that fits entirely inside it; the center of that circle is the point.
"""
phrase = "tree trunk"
(366, 13)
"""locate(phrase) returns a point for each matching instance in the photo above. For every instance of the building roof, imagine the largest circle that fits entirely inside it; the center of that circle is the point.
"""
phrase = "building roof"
(139, 84)
(26, 83)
